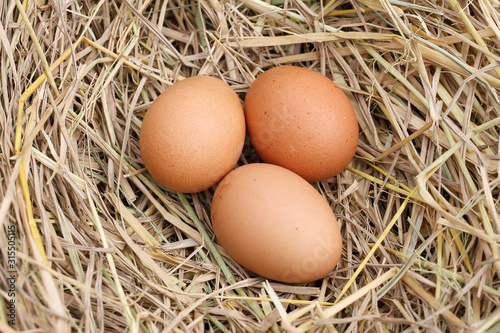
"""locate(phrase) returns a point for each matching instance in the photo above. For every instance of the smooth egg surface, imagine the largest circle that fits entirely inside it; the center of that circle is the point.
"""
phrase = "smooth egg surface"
(276, 224)
(193, 134)
(300, 119)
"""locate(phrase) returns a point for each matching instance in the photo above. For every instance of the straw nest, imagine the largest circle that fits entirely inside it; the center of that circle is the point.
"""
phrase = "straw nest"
(100, 246)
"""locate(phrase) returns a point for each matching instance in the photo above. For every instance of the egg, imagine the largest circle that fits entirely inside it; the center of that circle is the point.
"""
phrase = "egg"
(193, 134)
(276, 224)
(301, 120)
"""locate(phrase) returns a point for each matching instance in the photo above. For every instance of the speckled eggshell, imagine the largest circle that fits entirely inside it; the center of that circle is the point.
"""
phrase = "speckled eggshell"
(276, 224)
(193, 134)
(300, 119)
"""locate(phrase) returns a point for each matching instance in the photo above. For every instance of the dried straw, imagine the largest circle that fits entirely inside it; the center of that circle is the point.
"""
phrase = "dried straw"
(100, 246)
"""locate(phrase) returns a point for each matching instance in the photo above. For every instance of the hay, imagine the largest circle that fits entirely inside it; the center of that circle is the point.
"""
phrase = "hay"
(100, 246)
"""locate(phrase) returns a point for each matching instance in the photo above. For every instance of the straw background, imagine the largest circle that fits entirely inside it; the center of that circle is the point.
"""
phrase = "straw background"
(101, 247)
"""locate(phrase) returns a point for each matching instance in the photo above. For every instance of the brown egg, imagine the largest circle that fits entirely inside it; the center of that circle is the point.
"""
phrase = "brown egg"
(193, 134)
(274, 223)
(299, 119)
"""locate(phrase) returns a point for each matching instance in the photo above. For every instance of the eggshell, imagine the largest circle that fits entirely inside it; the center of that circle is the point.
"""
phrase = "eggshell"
(193, 134)
(299, 119)
(274, 223)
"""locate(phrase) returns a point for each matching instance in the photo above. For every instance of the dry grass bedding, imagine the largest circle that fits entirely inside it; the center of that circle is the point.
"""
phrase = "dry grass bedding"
(101, 247)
